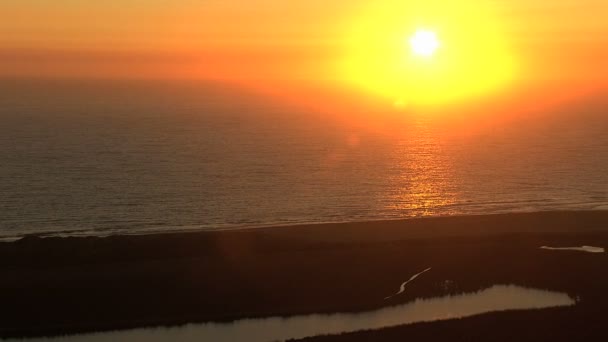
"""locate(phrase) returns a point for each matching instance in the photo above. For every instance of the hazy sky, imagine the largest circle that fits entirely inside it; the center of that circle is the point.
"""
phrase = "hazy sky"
(558, 40)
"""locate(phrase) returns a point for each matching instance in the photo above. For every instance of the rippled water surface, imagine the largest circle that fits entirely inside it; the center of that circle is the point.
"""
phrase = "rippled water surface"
(140, 157)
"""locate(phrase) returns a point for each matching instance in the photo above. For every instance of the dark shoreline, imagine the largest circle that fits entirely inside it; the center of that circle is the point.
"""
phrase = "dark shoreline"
(408, 221)
(58, 285)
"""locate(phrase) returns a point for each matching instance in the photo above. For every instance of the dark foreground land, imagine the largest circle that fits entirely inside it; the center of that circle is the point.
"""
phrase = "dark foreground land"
(66, 285)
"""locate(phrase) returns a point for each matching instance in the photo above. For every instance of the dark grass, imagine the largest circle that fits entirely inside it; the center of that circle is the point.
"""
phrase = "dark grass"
(68, 285)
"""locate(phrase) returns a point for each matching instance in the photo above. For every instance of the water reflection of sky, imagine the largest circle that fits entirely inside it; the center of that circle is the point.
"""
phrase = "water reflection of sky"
(587, 249)
(495, 298)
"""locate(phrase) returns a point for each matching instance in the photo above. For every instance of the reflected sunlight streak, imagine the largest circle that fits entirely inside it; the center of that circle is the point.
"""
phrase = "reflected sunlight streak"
(424, 185)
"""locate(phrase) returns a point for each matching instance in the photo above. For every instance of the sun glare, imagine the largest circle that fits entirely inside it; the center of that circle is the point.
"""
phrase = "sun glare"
(424, 43)
(428, 53)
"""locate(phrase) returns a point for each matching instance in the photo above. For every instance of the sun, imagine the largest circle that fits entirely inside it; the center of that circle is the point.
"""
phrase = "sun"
(428, 53)
(424, 43)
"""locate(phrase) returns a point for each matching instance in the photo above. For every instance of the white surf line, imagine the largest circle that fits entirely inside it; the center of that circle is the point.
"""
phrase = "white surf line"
(402, 288)
(588, 249)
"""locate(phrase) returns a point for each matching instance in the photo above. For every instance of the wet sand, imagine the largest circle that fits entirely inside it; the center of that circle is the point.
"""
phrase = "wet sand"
(67, 285)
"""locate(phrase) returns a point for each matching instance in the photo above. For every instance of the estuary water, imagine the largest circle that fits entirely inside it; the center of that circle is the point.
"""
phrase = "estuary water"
(97, 158)
(495, 298)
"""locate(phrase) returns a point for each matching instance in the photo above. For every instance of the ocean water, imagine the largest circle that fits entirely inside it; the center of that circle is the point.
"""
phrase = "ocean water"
(97, 158)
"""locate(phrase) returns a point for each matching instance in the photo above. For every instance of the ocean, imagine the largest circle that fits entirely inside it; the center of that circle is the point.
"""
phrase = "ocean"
(108, 157)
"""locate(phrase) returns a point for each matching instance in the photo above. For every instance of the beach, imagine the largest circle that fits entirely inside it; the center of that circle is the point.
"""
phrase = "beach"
(52, 286)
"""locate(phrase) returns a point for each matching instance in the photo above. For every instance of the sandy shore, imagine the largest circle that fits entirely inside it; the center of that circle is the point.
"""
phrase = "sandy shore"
(67, 285)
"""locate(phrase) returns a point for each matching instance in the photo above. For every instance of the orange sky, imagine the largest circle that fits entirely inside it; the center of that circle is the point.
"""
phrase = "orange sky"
(563, 41)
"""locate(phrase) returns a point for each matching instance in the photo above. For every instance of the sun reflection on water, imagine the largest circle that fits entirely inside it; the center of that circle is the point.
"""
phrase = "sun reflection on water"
(424, 181)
